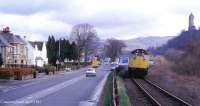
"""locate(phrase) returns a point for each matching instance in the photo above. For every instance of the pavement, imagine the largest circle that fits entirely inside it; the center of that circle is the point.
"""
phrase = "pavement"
(67, 89)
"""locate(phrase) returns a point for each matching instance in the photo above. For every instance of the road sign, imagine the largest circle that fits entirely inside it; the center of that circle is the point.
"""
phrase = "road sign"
(57, 61)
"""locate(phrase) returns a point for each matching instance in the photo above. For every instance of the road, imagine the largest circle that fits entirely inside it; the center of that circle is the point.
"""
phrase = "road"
(71, 89)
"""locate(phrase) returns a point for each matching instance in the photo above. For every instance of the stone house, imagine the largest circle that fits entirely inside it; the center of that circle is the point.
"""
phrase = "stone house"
(13, 48)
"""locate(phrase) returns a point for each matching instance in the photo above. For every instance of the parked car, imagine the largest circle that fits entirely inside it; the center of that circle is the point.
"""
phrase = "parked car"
(68, 69)
(90, 72)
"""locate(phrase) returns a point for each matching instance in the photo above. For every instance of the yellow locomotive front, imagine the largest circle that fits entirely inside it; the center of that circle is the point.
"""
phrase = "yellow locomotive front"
(138, 65)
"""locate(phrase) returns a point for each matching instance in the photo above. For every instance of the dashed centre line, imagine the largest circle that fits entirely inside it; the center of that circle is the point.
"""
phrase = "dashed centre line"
(44, 92)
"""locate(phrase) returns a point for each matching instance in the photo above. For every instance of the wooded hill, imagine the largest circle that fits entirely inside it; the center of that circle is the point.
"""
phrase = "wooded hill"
(183, 51)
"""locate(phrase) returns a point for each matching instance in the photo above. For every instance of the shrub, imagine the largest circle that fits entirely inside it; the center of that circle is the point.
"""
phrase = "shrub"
(187, 66)
(49, 68)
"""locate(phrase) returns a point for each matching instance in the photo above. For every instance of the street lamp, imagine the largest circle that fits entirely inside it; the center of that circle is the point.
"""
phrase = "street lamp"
(59, 46)
(59, 58)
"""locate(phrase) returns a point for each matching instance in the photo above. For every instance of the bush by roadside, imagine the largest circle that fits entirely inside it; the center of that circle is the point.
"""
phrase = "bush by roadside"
(49, 68)
(74, 65)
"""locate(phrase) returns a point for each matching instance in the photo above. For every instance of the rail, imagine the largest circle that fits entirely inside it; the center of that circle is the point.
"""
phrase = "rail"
(153, 100)
(168, 93)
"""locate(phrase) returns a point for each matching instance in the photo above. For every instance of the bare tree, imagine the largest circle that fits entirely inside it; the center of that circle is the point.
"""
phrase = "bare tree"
(85, 37)
(113, 48)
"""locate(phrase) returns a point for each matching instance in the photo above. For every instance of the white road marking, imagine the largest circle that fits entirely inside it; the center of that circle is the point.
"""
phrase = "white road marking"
(24, 85)
(41, 78)
(35, 96)
(94, 98)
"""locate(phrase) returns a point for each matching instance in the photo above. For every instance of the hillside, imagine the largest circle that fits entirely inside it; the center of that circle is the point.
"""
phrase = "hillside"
(146, 42)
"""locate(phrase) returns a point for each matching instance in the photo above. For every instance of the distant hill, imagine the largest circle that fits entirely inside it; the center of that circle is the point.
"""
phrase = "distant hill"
(145, 42)
(186, 41)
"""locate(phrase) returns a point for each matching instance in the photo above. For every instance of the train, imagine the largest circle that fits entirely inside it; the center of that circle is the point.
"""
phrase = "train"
(138, 64)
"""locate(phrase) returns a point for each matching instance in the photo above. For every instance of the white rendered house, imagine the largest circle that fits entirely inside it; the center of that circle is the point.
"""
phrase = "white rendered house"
(37, 53)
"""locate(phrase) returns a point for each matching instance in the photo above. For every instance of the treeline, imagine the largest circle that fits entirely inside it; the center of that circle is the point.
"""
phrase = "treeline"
(67, 50)
(184, 52)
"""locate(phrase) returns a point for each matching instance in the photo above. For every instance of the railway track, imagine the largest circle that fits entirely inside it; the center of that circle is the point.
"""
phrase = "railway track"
(158, 96)
(137, 96)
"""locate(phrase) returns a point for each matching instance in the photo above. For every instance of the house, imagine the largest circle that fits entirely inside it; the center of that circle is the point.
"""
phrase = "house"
(13, 48)
(37, 53)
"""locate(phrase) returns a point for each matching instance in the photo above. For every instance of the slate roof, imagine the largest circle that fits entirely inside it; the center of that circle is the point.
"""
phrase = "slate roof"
(38, 43)
(3, 42)
(9, 38)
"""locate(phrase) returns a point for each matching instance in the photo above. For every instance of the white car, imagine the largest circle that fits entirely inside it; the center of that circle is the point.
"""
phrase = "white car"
(68, 69)
(90, 72)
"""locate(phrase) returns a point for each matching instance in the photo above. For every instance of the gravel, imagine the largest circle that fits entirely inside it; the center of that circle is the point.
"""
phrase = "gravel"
(136, 96)
(162, 98)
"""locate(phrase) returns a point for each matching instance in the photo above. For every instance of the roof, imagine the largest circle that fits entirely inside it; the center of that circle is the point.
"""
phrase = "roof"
(3, 42)
(38, 43)
(139, 51)
(9, 38)
(38, 58)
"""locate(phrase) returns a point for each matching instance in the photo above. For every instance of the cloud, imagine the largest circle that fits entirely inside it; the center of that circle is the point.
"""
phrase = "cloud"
(27, 7)
(122, 19)
(36, 26)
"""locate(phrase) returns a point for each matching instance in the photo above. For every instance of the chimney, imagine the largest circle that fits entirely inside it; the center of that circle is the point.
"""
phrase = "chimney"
(6, 30)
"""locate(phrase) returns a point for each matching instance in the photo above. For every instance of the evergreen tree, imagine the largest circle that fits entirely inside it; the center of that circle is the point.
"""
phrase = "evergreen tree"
(67, 50)
(73, 51)
(51, 50)
(49, 53)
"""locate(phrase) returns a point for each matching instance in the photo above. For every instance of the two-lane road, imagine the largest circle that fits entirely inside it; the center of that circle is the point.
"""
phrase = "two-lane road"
(71, 89)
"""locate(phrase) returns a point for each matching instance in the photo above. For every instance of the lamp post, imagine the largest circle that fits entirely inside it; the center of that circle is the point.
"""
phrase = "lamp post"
(59, 53)
(59, 49)
(59, 46)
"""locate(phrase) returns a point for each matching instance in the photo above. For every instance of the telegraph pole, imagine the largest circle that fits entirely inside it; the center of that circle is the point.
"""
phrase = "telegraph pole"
(59, 48)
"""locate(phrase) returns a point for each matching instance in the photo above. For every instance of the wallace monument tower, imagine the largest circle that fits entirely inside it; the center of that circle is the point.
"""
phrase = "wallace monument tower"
(191, 23)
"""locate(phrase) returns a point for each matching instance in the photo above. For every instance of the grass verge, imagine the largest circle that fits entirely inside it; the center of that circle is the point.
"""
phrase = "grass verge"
(107, 97)
(123, 97)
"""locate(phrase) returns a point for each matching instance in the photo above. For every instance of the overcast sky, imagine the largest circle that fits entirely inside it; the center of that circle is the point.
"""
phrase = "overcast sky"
(122, 19)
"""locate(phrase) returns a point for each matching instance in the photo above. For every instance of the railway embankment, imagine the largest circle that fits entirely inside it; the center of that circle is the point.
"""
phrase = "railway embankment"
(185, 87)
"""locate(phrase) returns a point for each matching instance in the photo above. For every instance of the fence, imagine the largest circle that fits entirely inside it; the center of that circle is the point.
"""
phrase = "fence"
(15, 72)
(115, 99)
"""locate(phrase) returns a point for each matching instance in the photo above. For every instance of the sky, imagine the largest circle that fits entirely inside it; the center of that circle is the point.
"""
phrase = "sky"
(121, 19)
